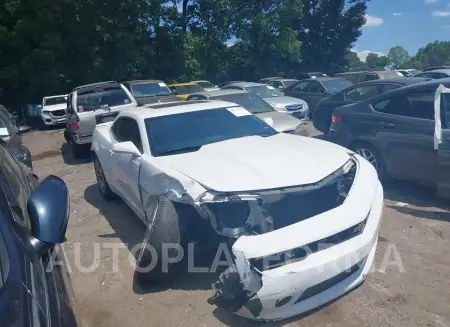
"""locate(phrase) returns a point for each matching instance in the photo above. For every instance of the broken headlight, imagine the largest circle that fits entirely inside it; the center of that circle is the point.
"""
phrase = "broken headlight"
(232, 213)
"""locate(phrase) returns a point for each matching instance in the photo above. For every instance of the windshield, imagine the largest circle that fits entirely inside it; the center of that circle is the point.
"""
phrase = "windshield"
(249, 101)
(186, 89)
(143, 90)
(264, 91)
(336, 85)
(206, 85)
(55, 100)
(188, 131)
(102, 98)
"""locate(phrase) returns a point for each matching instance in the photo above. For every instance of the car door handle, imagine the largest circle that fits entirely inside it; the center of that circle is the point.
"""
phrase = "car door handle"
(387, 125)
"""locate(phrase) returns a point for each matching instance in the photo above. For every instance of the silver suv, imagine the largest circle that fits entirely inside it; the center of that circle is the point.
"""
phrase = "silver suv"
(93, 104)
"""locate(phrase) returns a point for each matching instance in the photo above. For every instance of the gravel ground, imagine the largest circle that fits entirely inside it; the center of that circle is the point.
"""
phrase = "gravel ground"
(415, 232)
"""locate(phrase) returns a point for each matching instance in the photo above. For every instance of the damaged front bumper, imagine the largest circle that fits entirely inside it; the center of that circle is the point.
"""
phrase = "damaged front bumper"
(299, 267)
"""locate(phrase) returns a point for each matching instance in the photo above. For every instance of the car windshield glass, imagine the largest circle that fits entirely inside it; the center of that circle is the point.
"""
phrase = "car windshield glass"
(142, 90)
(205, 84)
(55, 100)
(101, 98)
(336, 85)
(264, 91)
(249, 101)
(289, 83)
(188, 89)
(189, 131)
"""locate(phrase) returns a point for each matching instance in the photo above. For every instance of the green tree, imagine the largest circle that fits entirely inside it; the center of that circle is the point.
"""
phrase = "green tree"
(354, 64)
(376, 62)
(398, 56)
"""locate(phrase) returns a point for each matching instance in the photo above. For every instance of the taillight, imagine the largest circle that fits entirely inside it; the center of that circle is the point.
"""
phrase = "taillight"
(74, 126)
(336, 118)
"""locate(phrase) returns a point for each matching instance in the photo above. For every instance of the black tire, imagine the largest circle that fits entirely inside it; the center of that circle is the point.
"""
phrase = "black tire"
(380, 167)
(66, 135)
(102, 183)
(170, 225)
(80, 151)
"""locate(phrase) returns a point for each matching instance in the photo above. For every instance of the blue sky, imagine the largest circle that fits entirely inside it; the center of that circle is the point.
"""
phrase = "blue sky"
(409, 23)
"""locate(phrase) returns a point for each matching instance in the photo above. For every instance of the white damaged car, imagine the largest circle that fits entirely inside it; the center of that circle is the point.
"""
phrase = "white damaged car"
(301, 215)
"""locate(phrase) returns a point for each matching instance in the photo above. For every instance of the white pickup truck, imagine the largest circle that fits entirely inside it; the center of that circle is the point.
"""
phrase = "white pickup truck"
(54, 110)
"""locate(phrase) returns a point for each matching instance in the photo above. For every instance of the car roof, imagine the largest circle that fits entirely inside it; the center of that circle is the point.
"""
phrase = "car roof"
(399, 80)
(55, 96)
(201, 80)
(446, 71)
(140, 81)
(172, 108)
(247, 84)
(433, 83)
(216, 93)
(94, 86)
(322, 78)
(182, 84)
(283, 79)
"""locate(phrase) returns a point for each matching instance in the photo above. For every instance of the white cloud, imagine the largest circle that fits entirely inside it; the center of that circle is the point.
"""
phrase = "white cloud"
(430, 1)
(373, 21)
(441, 13)
(397, 14)
(362, 55)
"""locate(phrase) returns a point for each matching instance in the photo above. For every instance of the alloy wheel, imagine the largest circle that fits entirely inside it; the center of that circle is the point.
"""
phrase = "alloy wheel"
(369, 156)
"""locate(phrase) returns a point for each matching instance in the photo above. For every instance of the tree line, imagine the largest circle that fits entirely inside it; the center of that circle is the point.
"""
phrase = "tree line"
(436, 53)
(49, 46)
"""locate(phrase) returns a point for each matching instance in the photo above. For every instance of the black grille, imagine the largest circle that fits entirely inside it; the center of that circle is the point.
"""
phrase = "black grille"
(294, 107)
(58, 113)
(298, 254)
(323, 286)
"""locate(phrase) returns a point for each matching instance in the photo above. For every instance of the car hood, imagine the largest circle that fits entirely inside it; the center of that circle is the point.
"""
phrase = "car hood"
(284, 101)
(55, 107)
(279, 121)
(150, 100)
(260, 163)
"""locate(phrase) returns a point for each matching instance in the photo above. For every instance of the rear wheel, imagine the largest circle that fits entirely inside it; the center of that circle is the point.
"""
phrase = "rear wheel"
(372, 155)
(66, 135)
(169, 226)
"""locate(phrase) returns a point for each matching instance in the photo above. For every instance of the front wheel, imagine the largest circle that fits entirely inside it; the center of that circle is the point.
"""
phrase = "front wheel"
(165, 235)
(103, 185)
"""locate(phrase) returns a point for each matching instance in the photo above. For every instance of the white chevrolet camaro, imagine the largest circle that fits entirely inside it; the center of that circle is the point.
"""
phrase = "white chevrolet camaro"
(302, 215)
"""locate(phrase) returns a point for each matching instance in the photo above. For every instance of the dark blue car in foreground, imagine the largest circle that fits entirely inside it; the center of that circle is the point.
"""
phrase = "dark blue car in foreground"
(35, 289)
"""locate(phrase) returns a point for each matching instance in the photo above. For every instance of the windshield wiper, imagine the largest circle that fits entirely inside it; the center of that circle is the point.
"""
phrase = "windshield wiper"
(181, 150)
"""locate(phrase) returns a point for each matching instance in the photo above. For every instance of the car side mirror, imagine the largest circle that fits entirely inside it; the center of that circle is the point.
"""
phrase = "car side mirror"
(23, 129)
(48, 208)
(127, 147)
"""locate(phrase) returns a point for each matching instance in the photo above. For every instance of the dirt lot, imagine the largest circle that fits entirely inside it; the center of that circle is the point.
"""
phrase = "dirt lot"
(415, 225)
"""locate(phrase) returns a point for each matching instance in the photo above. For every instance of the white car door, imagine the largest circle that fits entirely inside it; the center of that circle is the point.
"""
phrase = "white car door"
(125, 166)
(442, 141)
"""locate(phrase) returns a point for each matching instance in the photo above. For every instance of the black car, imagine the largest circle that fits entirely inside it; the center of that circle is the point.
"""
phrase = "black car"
(395, 131)
(35, 289)
(150, 91)
(314, 89)
(355, 93)
(10, 133)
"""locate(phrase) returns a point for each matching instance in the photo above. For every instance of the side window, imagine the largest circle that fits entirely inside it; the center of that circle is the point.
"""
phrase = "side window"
(127, 129)
(194, 97)
(69, 104)
(16, 189)
(361, 93)
(315, 87)
(390, 87)
(419, 104)
(441, 75)
(301, 87)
